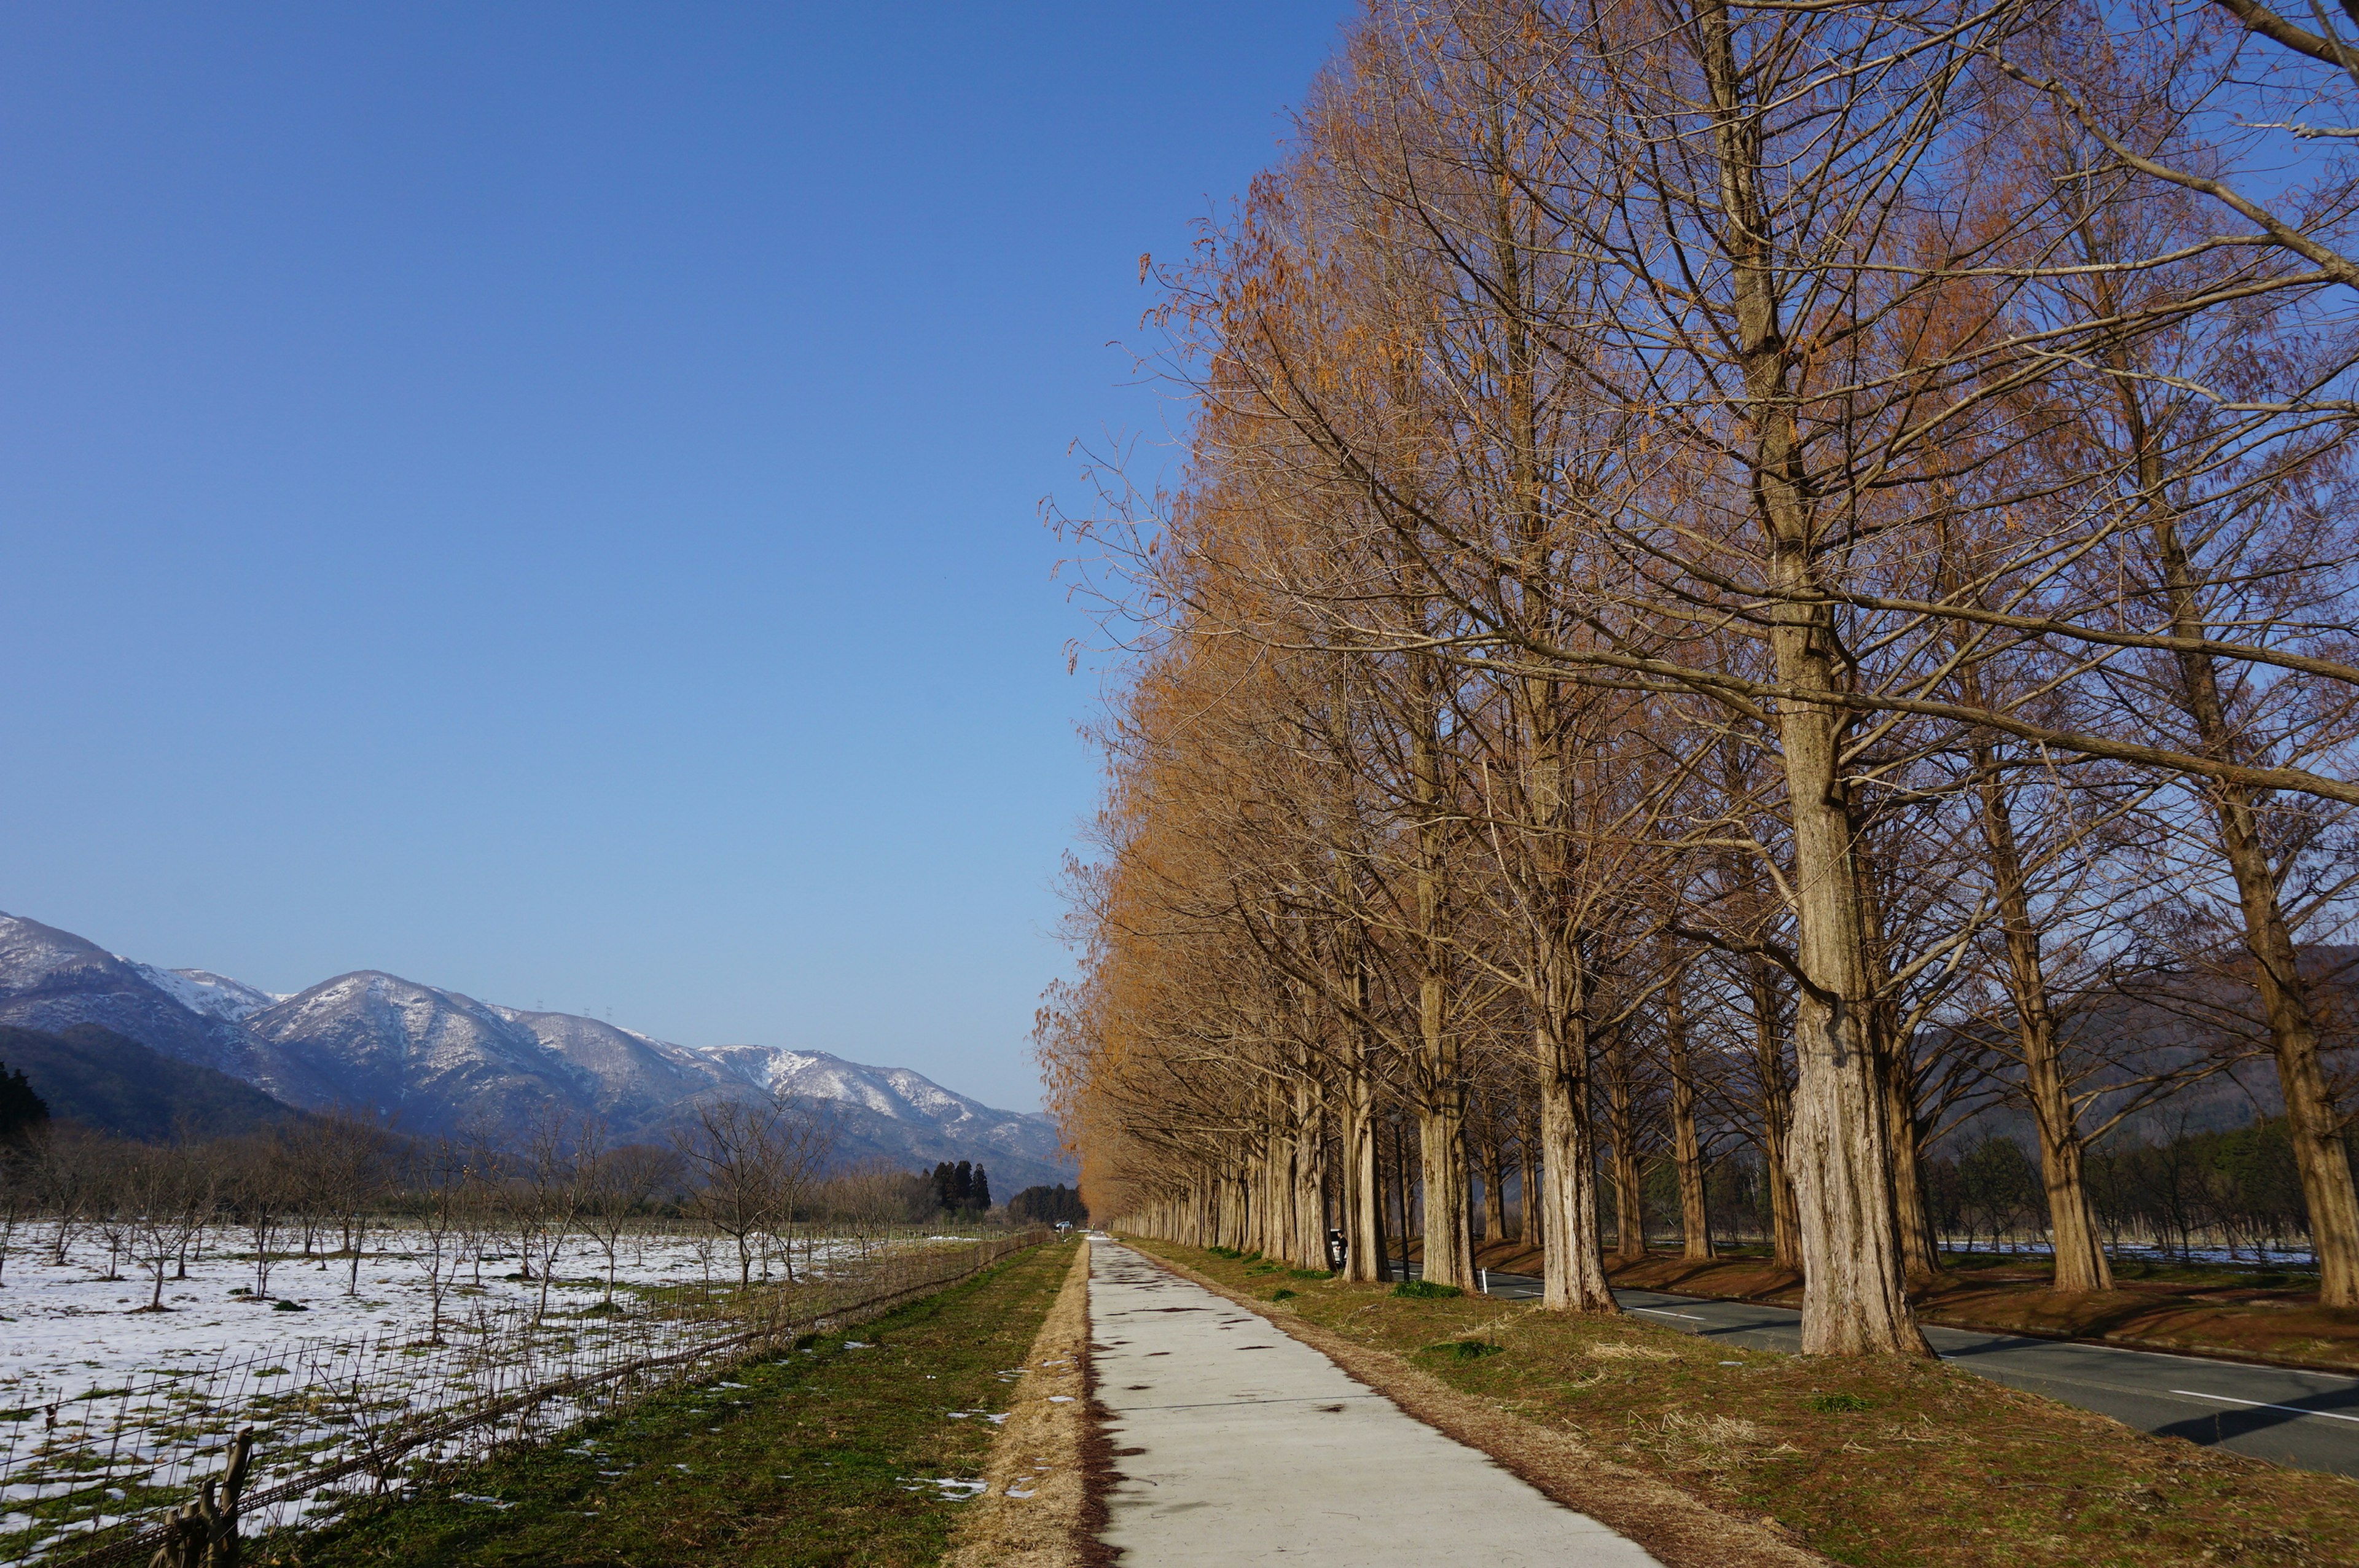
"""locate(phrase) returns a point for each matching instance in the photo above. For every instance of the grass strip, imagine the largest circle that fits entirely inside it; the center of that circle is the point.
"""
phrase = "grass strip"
(853, 1452)
(1035, 1500)
(1869, 1462)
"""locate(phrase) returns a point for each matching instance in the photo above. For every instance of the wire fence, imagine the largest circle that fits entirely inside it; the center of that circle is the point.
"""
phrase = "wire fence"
(87, 1480)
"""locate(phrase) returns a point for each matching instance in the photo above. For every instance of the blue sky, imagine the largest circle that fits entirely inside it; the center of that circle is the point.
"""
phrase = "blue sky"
(544, 499)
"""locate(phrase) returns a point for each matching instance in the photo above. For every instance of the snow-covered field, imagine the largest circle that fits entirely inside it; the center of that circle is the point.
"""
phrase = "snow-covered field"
(69, 1329)
(107, 1412)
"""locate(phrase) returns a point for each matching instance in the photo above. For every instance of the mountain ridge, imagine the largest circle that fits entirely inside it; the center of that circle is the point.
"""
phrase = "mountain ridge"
(434, 1061)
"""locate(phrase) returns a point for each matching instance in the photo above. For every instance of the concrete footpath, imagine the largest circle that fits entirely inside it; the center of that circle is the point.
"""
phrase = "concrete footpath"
(1236, 1443)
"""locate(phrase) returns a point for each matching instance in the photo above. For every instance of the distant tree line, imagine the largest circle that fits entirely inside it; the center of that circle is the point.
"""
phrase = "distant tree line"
(750, 1178)
(2237, 1191)
(1048, 1206)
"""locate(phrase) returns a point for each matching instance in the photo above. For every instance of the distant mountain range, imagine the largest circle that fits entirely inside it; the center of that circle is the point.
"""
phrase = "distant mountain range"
(431, 1060)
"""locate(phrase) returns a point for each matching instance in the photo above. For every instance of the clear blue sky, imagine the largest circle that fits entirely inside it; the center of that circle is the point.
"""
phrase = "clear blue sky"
(544, 499)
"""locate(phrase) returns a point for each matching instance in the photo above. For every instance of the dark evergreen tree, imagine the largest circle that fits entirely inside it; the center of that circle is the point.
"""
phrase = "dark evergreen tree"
(20, 1108)
(1048, 1206)
(978, 1195)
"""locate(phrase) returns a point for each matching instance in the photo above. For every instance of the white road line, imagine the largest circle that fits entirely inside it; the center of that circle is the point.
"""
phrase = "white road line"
(1664, 1312)
(2263, 1404)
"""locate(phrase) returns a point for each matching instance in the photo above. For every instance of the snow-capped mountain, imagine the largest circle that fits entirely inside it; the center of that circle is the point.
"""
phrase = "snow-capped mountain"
(202, 991)
(52, 979)
(434, 1061)
(900, 1113)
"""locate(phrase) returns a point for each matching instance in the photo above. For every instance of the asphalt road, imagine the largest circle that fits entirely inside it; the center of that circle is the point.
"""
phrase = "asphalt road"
(2307, 1419)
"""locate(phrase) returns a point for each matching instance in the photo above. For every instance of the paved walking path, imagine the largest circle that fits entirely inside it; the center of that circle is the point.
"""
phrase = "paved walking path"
(1239, 1444)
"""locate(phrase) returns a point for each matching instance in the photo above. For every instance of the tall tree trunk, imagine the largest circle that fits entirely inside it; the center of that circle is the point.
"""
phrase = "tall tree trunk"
(2081, 1262)
(2312, 1123)
(1572, 1269)
(1494, 1192)
(1687, 1148)
(1920, 1253)
(1364, 1257)
(1402, 1213)
(1309, 1174)
(1446, 1232)
(1449, 1250)
(1560, 1204)
(1854, 1300)
(1528, 1230)
(1777, 1112)
(1622, 1127)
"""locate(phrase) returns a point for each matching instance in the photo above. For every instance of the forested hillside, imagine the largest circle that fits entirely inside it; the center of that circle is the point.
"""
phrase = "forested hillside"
(103, 1081)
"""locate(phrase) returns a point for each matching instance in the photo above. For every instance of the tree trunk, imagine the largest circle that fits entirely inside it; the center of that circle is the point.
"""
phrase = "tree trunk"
(1402, 1212)
(1310, 1176)
(2081, 1262)
(1687, 1148)
(1364, 1257)
(1448, 1239)
(1853, 1297)
(1622, 1127)
(1920, 1256)
(1449, 1250)
(2311, 1122)
(1776, 1116)
(1528, 1230)
(1573, 1269)
(1494, 1192)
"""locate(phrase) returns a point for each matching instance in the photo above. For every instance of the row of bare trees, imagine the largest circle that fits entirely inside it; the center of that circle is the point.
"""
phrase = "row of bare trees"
(1743, 570)
(751, 1175)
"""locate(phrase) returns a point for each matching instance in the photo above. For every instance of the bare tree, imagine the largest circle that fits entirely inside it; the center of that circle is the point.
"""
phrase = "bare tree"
(750, 1160)
(621, 1183)
(167, 1190)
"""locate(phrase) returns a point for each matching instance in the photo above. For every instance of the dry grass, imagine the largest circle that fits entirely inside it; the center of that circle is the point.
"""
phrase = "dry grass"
(1629, 1353)
(1030, 1514)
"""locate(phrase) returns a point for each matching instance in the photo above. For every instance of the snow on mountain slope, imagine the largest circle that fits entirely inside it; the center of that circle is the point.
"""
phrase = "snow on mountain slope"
(904, 1115)
(52, 979)
(431, 1060)
(435, 1061)
(203, 991)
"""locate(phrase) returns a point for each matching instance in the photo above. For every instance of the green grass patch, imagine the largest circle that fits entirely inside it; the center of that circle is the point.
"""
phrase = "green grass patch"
(844, 1457)
(1284, 1295)
(1465, 1349)
(1925, 1465)
(1426, 1291)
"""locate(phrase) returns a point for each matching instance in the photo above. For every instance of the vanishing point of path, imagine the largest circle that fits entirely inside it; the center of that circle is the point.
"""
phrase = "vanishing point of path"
(1237, 1443)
